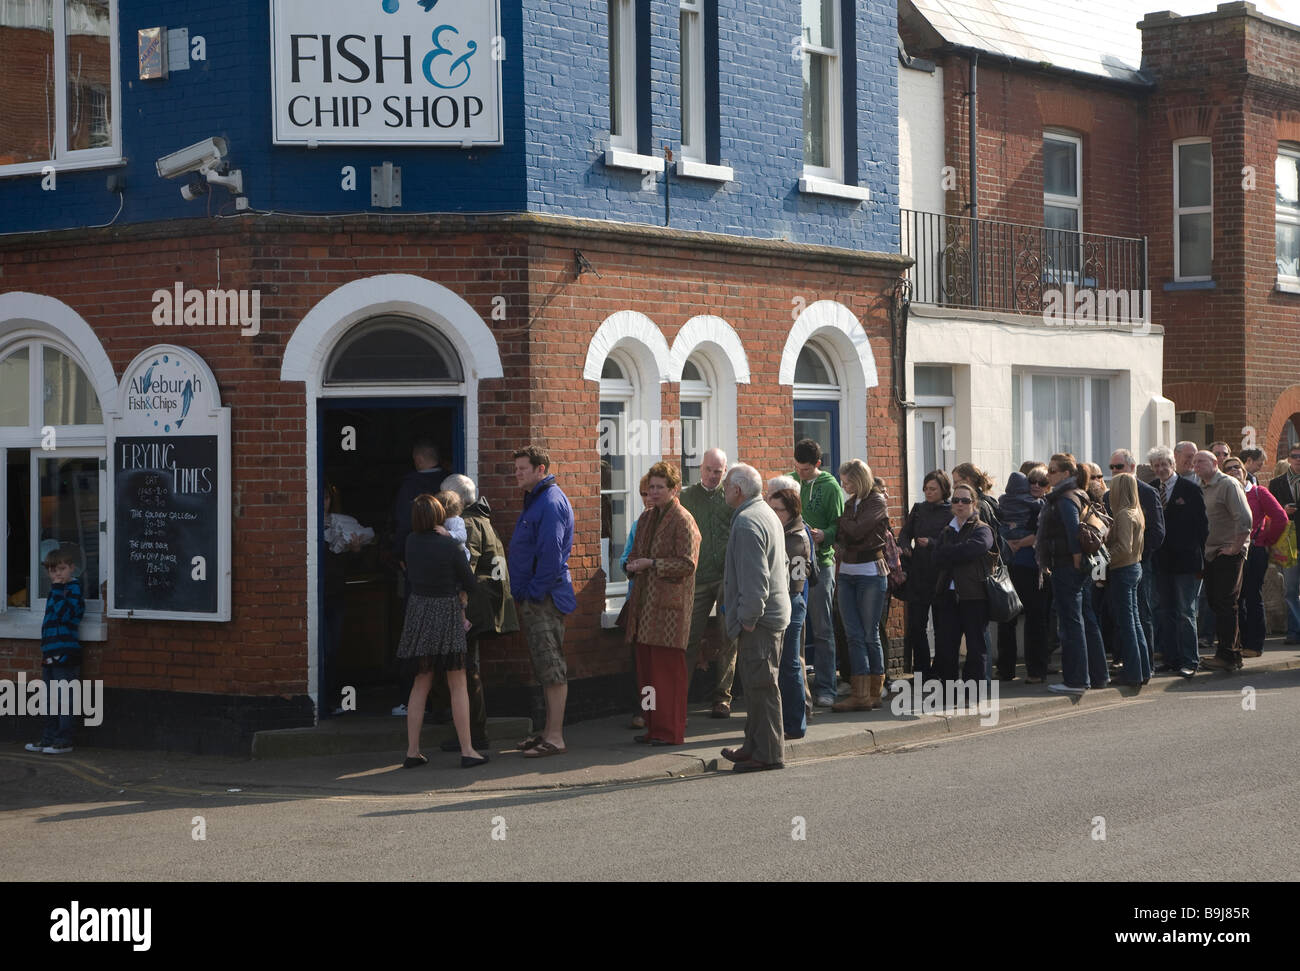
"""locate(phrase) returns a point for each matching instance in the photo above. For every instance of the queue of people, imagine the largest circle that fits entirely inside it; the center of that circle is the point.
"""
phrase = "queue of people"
(1118, 564)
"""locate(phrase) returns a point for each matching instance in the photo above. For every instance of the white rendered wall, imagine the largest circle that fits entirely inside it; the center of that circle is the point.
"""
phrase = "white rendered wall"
(920, 139)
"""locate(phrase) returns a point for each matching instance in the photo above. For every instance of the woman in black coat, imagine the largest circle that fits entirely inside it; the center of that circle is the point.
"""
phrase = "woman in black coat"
(961, 604)
(921, 530)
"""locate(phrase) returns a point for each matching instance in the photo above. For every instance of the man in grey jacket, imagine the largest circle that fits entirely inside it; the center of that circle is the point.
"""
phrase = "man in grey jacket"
(756, 603)
(1225, 555)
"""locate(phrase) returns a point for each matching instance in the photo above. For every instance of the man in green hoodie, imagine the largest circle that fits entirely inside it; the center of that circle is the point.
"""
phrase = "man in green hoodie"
(823, 502)
(706, 502)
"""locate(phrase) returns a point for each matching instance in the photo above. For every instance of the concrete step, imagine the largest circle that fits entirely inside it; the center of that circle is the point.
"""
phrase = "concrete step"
(359, 733)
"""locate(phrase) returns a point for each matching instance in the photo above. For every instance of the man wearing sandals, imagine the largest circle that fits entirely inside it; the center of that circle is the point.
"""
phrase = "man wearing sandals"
(757, 601)
(540, 583)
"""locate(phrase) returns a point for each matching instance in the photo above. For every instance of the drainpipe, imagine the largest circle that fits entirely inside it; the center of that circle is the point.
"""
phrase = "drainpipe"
(973, 130)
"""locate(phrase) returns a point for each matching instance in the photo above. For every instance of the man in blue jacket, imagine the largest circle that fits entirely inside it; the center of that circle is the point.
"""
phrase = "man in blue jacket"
(1179, 564)
(538, 561)
(1153, 537)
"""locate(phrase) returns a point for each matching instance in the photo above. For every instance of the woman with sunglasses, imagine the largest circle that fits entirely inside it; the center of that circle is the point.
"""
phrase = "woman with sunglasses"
(961, 604)
(1268, 523)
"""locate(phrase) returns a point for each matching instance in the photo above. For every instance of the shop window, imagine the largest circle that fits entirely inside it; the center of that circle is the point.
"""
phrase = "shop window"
(817, 398)
(393, 350)
(1193, 209)
(1288, 215)
(59, 73)
(52, 455)
(1060, 413)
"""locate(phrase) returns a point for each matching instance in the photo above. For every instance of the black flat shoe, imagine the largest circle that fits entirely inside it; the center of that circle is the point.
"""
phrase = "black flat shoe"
(647, 740)
(453, 745)
(413, 760)
(468, 763)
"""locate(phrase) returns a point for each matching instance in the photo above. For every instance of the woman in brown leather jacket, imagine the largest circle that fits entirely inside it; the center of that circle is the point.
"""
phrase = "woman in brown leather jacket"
(863, 582)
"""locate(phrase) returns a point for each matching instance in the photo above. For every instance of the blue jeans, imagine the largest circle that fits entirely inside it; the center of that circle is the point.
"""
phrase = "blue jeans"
(1250, 619)
(1146, 596)
(821, 633)
(1291, 594)
(862, 601)
(789, 675)
(1083, 656)
(1176, 595)
(1130, 639)
(58, 728)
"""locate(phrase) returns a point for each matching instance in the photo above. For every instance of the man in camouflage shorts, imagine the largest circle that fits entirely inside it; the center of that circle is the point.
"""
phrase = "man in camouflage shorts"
(543, 589)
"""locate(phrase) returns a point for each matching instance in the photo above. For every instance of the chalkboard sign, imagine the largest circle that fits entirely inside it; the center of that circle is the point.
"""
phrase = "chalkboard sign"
(170, 491)
(166, 514)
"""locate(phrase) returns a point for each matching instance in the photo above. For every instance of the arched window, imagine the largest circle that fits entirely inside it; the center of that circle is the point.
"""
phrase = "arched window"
(620, 504)
(699, 416)
(52, 442)
(392, 349)
(817, 397)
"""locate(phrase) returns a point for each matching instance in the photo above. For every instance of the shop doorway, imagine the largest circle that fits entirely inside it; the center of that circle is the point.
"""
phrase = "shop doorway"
(364, 446)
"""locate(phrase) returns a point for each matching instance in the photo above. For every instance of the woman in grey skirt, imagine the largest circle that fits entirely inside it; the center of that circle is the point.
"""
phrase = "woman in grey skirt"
(433, 638)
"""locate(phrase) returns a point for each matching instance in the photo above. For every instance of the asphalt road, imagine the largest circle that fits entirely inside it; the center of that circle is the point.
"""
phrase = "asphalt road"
(1183, 784)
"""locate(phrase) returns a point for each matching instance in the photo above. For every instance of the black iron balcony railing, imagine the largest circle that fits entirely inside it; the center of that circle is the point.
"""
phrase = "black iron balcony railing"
(983, 264)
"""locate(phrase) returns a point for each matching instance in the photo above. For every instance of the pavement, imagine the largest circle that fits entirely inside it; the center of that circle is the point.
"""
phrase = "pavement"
(601, 752)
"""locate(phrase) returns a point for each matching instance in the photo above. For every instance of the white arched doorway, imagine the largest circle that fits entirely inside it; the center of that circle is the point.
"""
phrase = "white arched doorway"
(394, 341)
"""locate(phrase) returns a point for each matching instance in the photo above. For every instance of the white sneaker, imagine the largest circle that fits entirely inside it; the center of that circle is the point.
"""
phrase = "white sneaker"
(400, 710)
(843, 689)
(1065, 689)
(34, 747)
(57, 749)
(824, 701)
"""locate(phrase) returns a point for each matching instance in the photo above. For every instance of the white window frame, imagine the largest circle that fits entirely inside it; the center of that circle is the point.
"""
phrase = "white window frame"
(1180, 211)
(703, 393)
(64, 160)
(73, 441)
(691, 22)
(626, 391)
(1025, 447)
(1074, 201)
(1288, 216)
(834, 118)
(625, 53)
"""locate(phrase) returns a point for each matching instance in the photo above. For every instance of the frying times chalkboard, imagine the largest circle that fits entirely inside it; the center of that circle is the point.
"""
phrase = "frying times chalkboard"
(166, 513)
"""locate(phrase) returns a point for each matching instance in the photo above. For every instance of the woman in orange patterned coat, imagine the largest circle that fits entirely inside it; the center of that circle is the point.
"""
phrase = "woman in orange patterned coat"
(663, 561)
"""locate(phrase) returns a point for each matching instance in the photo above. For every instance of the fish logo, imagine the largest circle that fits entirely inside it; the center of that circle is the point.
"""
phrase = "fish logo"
(187, 396)
(391, 6)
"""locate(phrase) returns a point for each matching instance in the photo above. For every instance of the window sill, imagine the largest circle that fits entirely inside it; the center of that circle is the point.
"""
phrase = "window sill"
(691, 169)
(621, 158)
(1178, 285)
(23, 624)
(80, 165)
(812, 185)
(1288, 285)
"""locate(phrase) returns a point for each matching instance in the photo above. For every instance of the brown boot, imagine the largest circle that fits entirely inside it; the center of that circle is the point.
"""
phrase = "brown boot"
(857, 701)
(875, 686)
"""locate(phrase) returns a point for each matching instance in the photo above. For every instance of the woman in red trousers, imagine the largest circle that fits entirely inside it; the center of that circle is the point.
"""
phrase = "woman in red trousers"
(663, 560)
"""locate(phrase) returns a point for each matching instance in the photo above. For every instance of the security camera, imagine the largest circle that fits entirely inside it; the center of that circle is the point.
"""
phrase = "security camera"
(201, 155)
(195, 188)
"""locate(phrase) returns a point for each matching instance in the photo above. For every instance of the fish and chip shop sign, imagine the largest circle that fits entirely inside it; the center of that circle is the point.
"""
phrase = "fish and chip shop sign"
(386, 72)
(169, 485)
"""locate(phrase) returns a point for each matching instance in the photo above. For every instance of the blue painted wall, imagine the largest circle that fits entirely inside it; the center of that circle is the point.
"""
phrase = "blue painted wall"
(556, 118)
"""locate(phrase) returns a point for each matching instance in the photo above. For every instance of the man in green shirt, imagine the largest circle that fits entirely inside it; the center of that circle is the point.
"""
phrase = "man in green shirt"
(706, 502)
(823, 502)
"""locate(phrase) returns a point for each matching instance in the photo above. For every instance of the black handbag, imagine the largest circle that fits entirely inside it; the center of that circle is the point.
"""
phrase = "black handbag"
(1004, 603)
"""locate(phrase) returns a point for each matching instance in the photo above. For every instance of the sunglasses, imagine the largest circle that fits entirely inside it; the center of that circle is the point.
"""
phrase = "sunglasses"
(1041, 483)
(1117, 468)
(962, 502)
(1096, 477)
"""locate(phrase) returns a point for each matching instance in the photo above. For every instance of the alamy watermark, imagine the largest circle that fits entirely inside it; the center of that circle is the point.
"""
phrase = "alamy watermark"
(81, 699)
(935, 697)
(180, 307)
(1089, 307)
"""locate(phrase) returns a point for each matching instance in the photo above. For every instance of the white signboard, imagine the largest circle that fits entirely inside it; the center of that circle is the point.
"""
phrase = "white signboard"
(386, 72)
(169, 491)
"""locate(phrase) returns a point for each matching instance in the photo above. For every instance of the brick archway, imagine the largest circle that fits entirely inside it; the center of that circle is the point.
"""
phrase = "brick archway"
(1288, 404)
(1192, 395)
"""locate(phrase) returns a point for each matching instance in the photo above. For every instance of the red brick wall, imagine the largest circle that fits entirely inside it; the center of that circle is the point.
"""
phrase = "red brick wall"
(551, 317)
